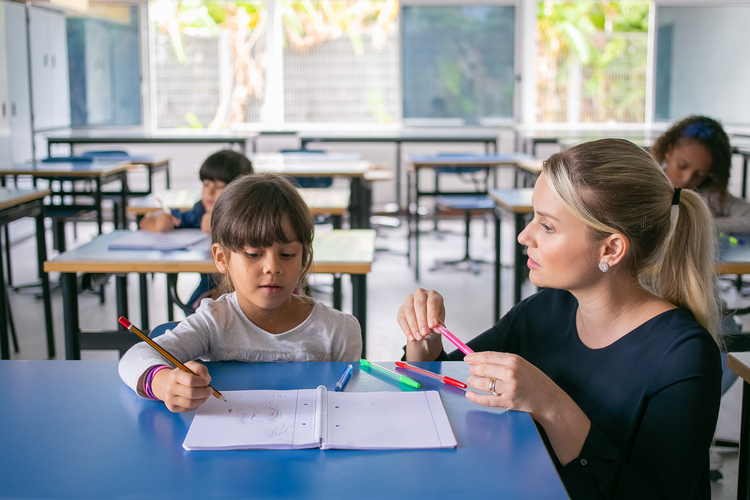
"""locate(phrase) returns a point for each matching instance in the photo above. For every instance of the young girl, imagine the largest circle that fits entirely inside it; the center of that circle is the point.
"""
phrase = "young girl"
(262, 234)
(696, 154)
(615, 358)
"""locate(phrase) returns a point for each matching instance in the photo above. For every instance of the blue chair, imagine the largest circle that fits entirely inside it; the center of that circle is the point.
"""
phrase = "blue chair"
(102, 155)
(481, 185)
(67, 159)
(310, 182)
(161, 329)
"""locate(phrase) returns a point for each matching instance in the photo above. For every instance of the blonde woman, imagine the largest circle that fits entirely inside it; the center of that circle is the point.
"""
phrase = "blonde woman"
(616, 358)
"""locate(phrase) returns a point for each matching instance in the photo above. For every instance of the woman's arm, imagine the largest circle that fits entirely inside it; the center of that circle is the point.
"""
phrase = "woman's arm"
(734, 216)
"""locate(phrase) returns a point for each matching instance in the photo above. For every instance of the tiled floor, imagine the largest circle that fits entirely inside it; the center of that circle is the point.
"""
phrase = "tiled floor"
(468, 302)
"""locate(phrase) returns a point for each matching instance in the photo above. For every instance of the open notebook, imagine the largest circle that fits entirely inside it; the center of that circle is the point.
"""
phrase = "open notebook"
(317, 418)
(147, 240)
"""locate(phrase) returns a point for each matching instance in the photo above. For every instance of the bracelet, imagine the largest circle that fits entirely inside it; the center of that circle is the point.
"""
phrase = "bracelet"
(149, 378)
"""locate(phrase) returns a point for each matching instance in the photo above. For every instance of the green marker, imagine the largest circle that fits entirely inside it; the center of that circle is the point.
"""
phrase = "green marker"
(392, 374)
(732, 240)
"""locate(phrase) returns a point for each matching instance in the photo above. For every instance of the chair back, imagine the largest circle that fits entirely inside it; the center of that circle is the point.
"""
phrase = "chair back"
(67, 159)
(309, 182)
(106, 154)
(161, 329)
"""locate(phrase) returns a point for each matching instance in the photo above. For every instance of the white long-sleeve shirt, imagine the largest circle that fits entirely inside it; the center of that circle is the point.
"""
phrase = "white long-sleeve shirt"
(220, 331)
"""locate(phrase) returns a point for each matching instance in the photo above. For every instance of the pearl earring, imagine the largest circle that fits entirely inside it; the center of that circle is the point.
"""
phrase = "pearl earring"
(603, 267)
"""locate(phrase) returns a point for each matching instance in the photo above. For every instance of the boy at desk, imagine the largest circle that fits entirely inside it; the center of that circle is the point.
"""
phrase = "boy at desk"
(217, 171)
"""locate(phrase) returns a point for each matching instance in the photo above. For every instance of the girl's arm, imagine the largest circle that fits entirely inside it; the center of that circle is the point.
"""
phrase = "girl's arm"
(734, 216)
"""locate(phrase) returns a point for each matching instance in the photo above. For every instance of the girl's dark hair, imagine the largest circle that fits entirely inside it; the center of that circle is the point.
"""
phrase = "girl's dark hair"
(225, 166)
(259, 210)
(709, 133)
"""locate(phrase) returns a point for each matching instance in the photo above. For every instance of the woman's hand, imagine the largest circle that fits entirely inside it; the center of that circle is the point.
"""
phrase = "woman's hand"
(521, 386)
(421, 312)
(182, 391)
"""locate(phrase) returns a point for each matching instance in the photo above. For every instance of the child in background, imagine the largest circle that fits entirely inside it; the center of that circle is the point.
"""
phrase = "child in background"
(696, 154)
(262, 234)
(217, 171)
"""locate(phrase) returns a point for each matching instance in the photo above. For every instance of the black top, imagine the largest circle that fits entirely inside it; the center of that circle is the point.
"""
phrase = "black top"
(652, 396)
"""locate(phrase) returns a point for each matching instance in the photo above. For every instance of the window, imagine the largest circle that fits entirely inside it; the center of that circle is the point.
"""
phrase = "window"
(702, 64)
(592, 61)
(458, 63)
(104, 66)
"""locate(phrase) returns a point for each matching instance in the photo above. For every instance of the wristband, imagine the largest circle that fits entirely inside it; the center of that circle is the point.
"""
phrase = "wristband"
(149, 378)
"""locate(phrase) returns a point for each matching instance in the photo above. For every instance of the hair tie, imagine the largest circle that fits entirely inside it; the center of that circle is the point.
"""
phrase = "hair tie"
(676, 196)
(699, 130)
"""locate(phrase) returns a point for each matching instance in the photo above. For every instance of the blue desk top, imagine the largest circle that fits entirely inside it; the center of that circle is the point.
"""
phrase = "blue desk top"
(72, 429)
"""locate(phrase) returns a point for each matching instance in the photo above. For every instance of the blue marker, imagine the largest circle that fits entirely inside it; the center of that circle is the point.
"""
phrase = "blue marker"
(344, 378)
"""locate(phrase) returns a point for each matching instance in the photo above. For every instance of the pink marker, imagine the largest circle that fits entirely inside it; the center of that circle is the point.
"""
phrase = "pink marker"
(448, 335)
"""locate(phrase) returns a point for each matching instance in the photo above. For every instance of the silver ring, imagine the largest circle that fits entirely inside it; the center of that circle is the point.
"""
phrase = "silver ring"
(492, 387)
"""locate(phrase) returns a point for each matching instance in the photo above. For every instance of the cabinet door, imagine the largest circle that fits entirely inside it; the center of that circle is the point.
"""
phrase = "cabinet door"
(40, 68)
(4, 104)
(59, 81)
(18, 82)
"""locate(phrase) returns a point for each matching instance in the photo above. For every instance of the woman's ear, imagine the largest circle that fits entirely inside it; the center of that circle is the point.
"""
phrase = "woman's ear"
(221, 257)
(613, 249)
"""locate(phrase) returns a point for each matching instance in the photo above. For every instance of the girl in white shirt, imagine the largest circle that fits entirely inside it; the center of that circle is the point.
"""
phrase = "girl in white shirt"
(262, 234)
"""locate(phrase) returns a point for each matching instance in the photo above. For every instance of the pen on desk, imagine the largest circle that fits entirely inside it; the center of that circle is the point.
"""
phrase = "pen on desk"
(344, 378)
(448, 335)
(401, 378)
(127, 324)
(446, 380)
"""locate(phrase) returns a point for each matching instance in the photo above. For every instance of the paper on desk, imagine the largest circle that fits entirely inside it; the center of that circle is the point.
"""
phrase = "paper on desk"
(147, 240)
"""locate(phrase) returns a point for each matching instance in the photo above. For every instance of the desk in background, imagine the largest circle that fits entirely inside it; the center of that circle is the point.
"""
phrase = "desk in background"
(417, 163)
(322, 165)
(16, 204)
(321, 201)
(414, 135)
(176, 136)
(98, 173)
(73, 429)
(335, 252)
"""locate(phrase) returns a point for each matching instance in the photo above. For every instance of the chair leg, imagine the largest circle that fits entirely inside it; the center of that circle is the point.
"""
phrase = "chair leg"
(11, 324)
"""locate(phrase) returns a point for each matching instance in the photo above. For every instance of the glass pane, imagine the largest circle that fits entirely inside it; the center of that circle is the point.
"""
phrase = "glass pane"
(458, 63)
(340, 61)
(702, 63)
(208, 62)
(591, 61)
(104, 66)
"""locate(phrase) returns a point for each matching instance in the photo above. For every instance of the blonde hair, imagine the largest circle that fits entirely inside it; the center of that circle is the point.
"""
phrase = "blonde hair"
(614, 186)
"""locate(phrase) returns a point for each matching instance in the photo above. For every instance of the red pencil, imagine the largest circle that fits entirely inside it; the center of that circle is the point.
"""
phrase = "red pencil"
(447, 380)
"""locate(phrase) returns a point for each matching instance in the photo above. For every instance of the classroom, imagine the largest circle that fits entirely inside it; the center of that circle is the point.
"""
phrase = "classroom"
(315, 249)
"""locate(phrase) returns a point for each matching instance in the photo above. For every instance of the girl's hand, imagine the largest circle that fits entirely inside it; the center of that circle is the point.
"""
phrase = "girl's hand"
(519, 385)
(182, 391)
(206, 223)
(160, 222)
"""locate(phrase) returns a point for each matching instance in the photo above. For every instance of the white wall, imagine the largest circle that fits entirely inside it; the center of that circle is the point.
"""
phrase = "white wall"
(710, 61)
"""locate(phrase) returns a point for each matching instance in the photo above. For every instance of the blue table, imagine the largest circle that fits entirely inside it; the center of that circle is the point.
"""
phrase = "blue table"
(72, 429)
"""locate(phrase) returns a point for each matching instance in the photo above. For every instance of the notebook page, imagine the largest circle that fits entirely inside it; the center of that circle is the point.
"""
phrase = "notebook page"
(387, 420)
(255, 419)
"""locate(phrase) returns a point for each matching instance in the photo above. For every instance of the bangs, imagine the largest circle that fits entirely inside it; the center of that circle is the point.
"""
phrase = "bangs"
(264, 215)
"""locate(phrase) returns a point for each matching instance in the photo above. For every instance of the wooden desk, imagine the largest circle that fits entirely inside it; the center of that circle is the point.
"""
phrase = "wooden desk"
(154, 164)
(336, 252)
(739, 363)
(74, 430)
(321, 201)
(139, 136)
(16, 204)
(516, 202)
(321, 165)
(418, 163)
(413, 135)
(99, 173)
